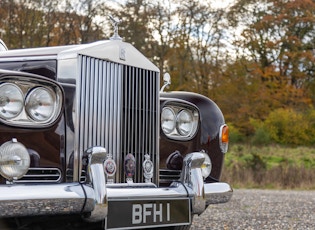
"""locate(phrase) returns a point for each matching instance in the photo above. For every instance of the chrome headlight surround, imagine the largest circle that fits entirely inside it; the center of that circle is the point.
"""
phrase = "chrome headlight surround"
(179, 121)
(42, 101)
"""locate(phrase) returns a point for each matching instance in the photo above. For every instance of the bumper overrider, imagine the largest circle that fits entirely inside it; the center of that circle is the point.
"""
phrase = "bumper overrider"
(140, 204)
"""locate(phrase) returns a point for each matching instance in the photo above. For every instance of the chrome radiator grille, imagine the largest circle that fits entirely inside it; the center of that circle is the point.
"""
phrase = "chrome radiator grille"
(118, 108)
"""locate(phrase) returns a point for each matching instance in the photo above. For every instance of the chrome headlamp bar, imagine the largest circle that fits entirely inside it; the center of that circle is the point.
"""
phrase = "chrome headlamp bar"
(29, 102)
(179, 120)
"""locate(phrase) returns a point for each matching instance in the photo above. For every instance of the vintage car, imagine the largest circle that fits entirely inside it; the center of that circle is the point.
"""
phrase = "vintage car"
(89, 140)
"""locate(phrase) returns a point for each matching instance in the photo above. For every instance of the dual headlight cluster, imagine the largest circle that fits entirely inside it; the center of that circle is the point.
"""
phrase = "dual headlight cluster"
(179, 122)
(29, 103)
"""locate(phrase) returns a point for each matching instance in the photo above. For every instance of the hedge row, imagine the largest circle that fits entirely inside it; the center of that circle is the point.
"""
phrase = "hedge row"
(282, 126)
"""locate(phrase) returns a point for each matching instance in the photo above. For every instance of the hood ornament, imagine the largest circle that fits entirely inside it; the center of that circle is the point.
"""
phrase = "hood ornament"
(115, 22)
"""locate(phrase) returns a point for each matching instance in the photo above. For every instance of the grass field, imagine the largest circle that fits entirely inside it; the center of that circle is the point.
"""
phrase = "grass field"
(271, 166)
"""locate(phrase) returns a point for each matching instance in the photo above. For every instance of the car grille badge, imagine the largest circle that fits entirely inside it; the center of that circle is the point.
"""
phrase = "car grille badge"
(147, 168)
(130, 167)
(110, 168)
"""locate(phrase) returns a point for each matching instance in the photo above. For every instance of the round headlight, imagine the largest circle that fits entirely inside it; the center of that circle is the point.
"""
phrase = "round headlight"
(206, 167)
(40, 104)
(168, 120)
(11, 101)
(14, 160)
(184, 123)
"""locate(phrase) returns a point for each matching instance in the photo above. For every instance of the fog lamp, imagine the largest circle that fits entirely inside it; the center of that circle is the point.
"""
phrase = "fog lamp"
(206, 167)
(14, 160)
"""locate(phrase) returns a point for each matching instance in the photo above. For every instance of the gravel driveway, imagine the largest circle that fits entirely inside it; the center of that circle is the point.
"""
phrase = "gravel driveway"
(261, 209)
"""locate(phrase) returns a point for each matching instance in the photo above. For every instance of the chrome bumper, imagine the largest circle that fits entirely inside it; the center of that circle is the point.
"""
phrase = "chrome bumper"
(30, 200)
(93, 198)
(212, 193)
(66, 198)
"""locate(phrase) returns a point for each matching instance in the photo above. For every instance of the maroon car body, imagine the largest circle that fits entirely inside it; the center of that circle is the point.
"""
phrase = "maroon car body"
(87, 136)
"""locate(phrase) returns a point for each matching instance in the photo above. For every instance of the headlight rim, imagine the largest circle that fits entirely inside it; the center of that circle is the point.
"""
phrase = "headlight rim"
(53, 96)
(174, 121)
(3, 84)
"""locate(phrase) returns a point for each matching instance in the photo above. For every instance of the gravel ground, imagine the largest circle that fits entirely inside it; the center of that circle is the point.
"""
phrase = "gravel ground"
(261, 209)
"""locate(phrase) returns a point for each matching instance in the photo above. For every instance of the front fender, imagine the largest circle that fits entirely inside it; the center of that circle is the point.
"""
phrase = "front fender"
(211, 119)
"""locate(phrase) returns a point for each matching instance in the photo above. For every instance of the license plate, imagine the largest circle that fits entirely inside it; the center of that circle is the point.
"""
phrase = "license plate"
(129, 214)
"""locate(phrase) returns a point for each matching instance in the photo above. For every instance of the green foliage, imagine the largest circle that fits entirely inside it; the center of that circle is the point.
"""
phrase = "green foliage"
(270, 166)
(310, 119)
(235, 136)
(261, 135)
(284, 126)
(287, 126)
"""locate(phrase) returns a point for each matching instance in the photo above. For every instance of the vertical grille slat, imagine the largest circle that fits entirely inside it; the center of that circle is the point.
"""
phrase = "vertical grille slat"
(97, 96)
(90, 118)
(118, 109)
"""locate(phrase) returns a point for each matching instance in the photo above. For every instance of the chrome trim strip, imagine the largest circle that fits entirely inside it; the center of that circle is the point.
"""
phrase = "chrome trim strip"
(34, 175)
(28, 58)
(177, 191)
